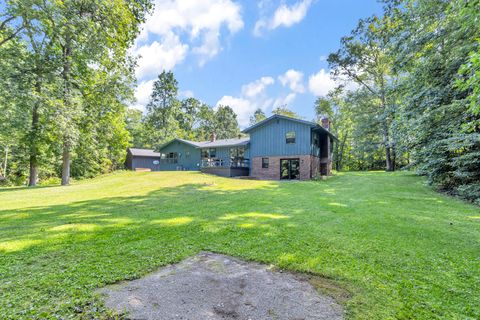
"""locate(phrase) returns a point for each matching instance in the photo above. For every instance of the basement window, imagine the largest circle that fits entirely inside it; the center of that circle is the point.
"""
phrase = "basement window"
(264, 163)
(290, 137)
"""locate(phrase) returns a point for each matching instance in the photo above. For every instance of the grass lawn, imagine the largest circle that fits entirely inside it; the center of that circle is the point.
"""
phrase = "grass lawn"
(400, 249)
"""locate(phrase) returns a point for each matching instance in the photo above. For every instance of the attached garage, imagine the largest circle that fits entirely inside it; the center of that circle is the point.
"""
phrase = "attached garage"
(142, 160)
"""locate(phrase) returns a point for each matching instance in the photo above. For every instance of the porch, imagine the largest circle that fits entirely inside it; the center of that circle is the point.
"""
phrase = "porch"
(226, 168)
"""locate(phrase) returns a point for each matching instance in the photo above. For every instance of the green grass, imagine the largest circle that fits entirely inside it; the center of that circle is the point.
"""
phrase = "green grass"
(400, 249)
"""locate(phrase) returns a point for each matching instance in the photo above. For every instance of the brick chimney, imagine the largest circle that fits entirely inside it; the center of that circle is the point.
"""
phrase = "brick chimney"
(213, 137)
(326, 123)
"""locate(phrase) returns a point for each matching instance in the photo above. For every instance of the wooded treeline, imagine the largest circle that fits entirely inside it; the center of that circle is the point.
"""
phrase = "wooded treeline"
(167, 117)
(66, 81)
(66, 78)
(411, 93)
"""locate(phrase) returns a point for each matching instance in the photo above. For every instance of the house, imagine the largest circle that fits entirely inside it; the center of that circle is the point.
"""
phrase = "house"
(142, 160)
(278, 147)
(286, 148)
(225, 157)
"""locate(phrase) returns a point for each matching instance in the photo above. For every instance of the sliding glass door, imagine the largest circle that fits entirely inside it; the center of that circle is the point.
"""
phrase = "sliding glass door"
(289, 169)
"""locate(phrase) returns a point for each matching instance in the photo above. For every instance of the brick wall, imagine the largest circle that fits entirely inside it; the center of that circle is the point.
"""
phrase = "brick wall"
(309, 166)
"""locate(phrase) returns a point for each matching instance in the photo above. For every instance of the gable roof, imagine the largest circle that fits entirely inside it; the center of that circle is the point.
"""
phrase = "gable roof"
(225, 143)
(313, 125)
(211, 144)
(143, 152)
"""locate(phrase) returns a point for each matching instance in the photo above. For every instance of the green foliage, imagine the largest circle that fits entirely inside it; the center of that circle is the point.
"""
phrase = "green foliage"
(257, 116)
(284, 111)
(66, 79)
(434, 46)
(400, 249)
(167, 117)
(416, 69)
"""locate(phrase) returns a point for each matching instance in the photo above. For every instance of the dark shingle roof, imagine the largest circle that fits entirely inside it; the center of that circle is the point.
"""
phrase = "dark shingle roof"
(225, 143)
(314, 125)
(212, 144)
(143, 152)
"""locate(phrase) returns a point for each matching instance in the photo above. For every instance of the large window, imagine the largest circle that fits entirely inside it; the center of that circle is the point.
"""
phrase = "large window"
(172, 157)
(290, 137)
(265, 163)
(212, 152)
(237, 153)
(209, 153)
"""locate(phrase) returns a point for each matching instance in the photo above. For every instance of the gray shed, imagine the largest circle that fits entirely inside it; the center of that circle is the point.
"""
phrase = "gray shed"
(142, 159)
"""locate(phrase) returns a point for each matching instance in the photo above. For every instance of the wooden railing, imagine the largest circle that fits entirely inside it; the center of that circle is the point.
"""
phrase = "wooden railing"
(235, 163)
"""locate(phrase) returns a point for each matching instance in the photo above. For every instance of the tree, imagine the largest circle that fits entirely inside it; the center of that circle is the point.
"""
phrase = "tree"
(65, 48)
(84, 33)
(323, 107)
(136, 128)
(163, 110)
(226, 125)
(364, 58)
(434, 44)
(257, 116)
(284, 111)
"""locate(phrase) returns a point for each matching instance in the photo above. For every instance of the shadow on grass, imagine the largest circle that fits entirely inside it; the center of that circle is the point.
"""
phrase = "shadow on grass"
(52, 258)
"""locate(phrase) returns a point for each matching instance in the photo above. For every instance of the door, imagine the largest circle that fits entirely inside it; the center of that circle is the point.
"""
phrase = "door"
(289, 169)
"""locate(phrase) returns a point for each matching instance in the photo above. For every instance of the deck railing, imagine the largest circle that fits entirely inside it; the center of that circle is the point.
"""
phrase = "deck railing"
(236, 163)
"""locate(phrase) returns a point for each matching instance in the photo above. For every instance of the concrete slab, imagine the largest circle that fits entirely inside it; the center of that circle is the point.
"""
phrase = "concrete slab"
(212, 287)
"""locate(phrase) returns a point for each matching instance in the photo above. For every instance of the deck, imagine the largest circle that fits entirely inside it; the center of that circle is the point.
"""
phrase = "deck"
(235, 168)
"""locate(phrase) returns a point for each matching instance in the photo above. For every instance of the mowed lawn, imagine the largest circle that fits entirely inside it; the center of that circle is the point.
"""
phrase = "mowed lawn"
(392, 246)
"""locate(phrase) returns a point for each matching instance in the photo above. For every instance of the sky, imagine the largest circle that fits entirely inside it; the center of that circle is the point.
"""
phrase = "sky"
(246, 54)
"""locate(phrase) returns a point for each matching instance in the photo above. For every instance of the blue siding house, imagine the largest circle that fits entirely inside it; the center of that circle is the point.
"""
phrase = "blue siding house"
(286, 148)
(278, 147)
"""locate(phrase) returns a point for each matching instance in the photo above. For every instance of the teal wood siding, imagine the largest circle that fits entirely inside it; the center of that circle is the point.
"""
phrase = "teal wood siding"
(269, 139)
(188, 157)
(145, 163)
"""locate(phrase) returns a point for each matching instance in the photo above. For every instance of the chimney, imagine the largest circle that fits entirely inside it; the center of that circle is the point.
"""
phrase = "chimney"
(326, 123)
(213, 137)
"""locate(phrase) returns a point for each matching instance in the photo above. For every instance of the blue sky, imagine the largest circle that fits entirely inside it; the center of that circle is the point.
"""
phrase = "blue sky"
(247, 54)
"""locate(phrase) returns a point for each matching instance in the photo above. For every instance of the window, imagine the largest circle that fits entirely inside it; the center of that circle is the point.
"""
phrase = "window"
(237, 152)
(172, 157)
(290, 137)
(187, 154)
(265, 163)
(209, 153)
(212, 152)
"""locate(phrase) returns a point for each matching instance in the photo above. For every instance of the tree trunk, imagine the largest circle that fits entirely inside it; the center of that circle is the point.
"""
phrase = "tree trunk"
(5, 163)
(33, 176)
(388, 153)
(66, 100)
(342, 147)
(66, 163)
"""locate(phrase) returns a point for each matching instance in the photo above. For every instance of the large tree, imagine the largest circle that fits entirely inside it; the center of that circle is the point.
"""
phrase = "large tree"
(163, 110)
(257, 116)
(365, 58)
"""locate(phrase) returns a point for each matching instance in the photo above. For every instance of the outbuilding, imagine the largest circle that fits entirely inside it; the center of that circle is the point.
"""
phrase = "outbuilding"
(142, 160)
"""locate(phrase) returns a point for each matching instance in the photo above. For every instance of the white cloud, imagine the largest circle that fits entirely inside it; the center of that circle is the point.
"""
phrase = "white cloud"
(253, 96)
(257, 87)
(321, 83)
(293, 79)
(284, 101)
(241, 106)
(180, 27)
(142, 94)
(284, 16)
(186, 94)
(155, 57)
